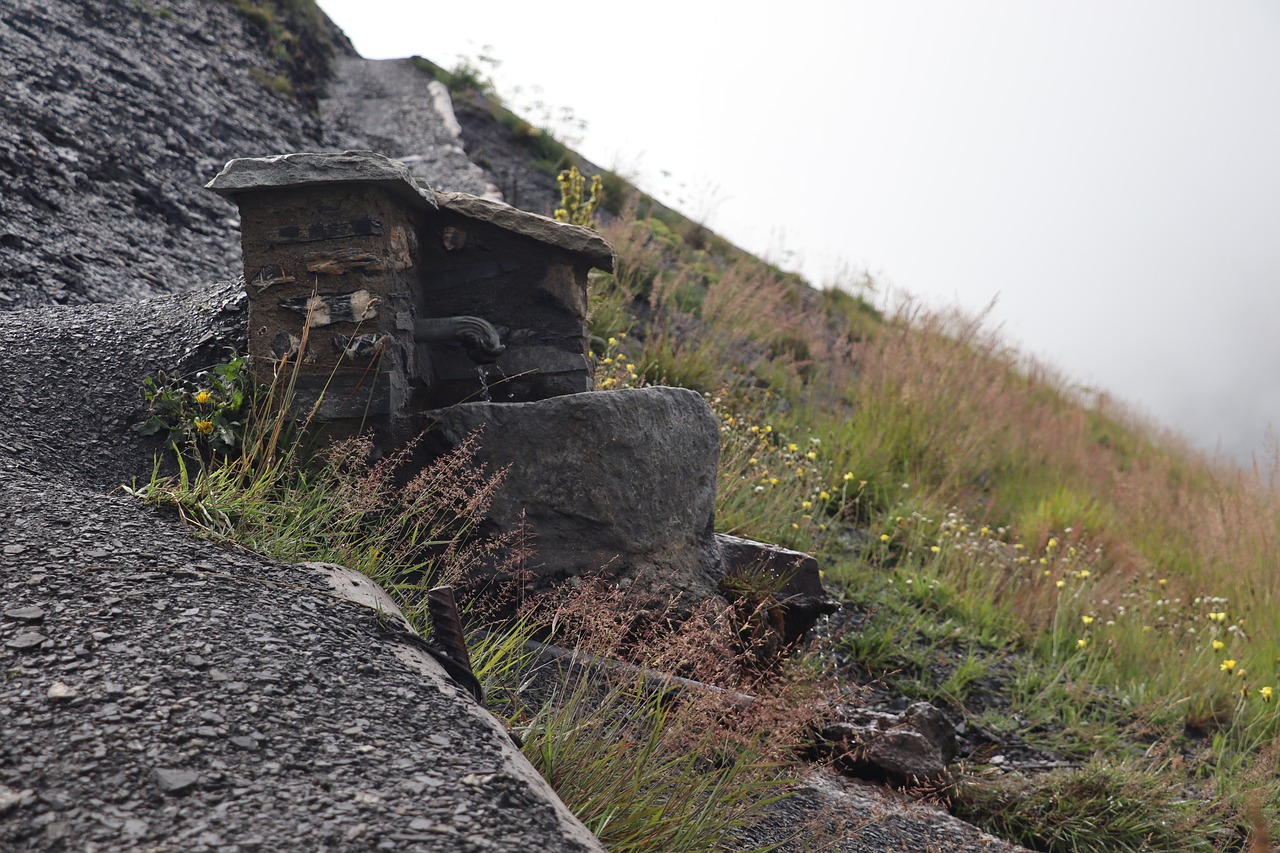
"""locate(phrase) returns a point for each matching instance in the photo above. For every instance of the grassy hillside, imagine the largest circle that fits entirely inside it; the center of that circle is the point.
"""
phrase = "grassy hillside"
(1033, 557)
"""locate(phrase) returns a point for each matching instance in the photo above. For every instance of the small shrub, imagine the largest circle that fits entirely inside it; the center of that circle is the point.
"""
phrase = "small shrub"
(274, 82)
(274, 497)
(205, 412)
(577, 203)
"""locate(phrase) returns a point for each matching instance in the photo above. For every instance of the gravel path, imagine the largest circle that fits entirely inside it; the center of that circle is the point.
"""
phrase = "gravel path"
(160, 692)
(386, 105)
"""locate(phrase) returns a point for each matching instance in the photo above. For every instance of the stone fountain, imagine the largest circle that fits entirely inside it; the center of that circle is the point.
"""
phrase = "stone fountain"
(394, 309)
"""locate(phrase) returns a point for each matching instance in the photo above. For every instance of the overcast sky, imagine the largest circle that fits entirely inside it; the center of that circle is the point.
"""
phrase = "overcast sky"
(1108, 172)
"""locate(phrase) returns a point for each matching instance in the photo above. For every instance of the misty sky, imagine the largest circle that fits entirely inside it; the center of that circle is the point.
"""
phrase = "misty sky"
(1107, 172)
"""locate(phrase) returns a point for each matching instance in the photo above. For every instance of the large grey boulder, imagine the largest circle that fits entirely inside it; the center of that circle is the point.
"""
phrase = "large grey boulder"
(617, 484)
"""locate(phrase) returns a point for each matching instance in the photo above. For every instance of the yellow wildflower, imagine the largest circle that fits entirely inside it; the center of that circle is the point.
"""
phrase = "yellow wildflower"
(204, 427)
(824, 496)
(203, 397)
(613, 342)
(934, 548)
(806, 504)
(1265, 693)
(793, 447)
(848, 475)
(1228, 666)
(884, 537)
(811, 455)
(1082, 642)
(1163, 581)
(1086, 619)
(1060, 584)
(1218, 645)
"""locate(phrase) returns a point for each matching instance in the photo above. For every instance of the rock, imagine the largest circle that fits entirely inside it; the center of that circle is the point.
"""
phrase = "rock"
(9, 798)
(618, 484)
(906, 757)
(793, 574)
(255, 174)
(933, 725)
(571, 238)
(31, 615)
(26, 640)
(59, 692)
(175, 781)
(911, 748)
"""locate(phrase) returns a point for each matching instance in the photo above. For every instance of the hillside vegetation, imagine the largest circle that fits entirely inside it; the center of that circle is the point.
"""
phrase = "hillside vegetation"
(1029, 555)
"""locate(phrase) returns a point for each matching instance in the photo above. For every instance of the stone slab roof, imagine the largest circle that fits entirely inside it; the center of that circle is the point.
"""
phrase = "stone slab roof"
(256, 174)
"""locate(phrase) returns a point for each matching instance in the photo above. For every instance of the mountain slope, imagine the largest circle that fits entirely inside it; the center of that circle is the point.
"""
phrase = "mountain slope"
(115, 115)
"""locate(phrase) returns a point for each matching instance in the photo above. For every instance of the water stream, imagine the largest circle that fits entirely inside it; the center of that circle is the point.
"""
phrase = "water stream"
(484, 384)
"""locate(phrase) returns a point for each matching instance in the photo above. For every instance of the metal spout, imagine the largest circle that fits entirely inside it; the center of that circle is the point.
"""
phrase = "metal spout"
(477, 336)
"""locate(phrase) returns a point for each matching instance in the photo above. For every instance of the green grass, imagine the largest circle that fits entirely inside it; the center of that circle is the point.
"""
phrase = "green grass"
(1011, 521)
(1102, 806)
(641, 789)
(298, 38)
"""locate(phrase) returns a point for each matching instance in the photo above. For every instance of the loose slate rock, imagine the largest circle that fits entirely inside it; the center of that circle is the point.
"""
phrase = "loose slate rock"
(26, 640)
(175, 781)
(59, 692)
(31, 615)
